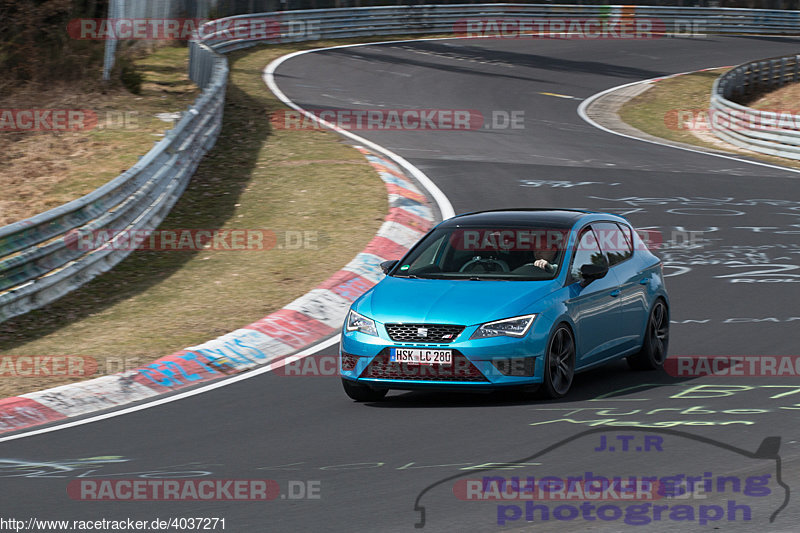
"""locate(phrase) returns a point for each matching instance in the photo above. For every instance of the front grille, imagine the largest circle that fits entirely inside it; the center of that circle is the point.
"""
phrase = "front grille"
(460, 370)
(427, 333)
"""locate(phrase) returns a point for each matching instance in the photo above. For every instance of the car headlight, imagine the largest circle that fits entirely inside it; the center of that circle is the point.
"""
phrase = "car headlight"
(509, 327)
(356, 322)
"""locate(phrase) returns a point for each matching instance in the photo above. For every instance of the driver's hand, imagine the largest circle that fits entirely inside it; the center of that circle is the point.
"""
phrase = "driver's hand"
(541, 263)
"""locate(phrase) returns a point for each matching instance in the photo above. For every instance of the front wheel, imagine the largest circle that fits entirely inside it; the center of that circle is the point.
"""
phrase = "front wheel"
(362, 393)
(656, 340)
(559, 366)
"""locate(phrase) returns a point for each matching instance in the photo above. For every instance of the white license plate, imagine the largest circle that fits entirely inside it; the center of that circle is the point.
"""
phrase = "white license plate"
(423, 356)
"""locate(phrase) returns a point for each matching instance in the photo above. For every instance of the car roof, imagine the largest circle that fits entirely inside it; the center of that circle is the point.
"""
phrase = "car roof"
(524, 217)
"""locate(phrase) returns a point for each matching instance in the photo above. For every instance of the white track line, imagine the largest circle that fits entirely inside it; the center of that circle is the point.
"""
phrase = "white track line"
(442, 202)
(586, 103)
(181, 395)
(445, 208)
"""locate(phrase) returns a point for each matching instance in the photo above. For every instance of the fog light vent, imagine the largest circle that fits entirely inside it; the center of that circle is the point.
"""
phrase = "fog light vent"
(516, 366)
(349, 361)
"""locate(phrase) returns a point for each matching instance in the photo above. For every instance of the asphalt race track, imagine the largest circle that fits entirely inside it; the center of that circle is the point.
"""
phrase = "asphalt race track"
(371, 464)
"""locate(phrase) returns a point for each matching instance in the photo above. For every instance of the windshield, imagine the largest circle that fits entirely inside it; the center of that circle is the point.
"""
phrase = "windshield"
(514, 254)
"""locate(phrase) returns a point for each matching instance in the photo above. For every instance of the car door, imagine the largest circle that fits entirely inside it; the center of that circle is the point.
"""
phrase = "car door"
(594, 308)
(616, 241)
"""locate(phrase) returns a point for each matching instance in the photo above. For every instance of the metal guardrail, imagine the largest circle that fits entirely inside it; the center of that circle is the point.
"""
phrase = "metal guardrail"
(451, 19)
(38, 260)
(41, 258)
(773, 132)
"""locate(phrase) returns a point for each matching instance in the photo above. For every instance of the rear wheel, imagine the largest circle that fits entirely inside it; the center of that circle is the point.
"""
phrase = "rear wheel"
(559, 366)
(362, 393)
(656, 340)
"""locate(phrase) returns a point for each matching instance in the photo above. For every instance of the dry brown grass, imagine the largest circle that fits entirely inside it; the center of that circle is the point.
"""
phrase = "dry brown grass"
(786, 99)
(649, 110)
(42, 170)
(155, 303)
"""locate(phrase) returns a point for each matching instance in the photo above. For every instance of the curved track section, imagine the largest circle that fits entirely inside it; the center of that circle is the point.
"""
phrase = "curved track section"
(406, 461)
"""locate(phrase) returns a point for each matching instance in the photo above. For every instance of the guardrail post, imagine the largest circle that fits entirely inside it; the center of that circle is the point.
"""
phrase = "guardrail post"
(796, 68)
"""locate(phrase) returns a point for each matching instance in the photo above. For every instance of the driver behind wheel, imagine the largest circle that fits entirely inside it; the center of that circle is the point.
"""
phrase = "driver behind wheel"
(544, 259)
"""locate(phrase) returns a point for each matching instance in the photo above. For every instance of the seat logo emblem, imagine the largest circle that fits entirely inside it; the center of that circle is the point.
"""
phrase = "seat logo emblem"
(422, 332)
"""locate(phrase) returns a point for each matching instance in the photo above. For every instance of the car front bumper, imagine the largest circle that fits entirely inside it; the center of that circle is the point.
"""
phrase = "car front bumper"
(489, 363)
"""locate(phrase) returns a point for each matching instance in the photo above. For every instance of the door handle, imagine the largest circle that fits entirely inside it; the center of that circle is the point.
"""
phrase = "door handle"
(615, 293)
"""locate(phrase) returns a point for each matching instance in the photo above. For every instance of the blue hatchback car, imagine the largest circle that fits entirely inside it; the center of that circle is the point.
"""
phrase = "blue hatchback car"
(509, 298)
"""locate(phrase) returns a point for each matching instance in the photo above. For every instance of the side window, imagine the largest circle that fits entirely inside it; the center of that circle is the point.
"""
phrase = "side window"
(627, 233)
(586, 252)
(614, 243)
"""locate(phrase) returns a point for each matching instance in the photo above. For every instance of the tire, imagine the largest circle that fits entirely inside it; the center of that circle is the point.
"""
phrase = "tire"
(362, 393)
(559, 366)
(656, 340)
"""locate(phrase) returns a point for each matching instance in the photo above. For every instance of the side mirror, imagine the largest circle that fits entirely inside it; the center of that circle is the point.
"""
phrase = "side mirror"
(592, 272)
(386, 266)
